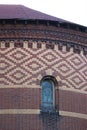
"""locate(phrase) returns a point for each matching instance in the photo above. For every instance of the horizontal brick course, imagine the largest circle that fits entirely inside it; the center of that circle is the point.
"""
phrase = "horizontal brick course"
(71, 101)
(66, 123)
(35, 122)
(30, 98)
(20, 122)
(20, 98)
(43, 33)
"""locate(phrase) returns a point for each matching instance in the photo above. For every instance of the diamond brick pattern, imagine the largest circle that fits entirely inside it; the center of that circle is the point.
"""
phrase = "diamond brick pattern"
(76, 80)
(35, 66)
(76, 61)
(18, 55)
(3, 64)
(24, 65)
(18, 75)
(64, 69)
(49, 57)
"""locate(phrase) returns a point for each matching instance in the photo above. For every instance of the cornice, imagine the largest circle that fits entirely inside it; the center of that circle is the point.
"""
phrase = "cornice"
(66, 25)
(50, 35)
(37, 43)
(43, 34)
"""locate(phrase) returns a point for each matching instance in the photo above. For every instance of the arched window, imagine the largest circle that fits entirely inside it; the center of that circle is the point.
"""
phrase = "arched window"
(48, 95)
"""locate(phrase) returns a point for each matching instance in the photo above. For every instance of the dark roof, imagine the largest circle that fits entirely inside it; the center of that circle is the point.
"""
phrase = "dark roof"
(24, 13)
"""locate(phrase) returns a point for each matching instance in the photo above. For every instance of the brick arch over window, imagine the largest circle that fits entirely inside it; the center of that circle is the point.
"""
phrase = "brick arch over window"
(48, 84)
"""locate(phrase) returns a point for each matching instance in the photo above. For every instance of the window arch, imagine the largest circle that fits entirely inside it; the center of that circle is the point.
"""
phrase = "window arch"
(48, 94)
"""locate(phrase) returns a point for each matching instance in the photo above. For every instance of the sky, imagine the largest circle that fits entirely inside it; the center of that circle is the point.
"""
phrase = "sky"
(71, 10)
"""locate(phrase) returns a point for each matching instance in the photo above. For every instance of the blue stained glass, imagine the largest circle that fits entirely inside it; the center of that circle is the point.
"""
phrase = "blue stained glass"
(47, 94)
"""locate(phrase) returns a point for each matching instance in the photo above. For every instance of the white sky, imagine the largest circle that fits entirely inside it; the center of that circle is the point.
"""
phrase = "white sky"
(70, 10)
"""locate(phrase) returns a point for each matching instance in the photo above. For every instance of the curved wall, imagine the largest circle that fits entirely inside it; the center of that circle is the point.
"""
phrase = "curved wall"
(27, 54)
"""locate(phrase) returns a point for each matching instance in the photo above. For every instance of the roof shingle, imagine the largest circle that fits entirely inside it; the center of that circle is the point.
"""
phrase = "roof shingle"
(24, 13)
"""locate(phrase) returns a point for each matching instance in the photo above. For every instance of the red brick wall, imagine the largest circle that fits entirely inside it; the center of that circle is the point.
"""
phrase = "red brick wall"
(27, 54)
(20, 98)
(72, 101)
(34, 122)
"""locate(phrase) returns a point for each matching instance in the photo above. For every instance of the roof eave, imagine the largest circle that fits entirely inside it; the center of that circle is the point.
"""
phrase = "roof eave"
(63, 24)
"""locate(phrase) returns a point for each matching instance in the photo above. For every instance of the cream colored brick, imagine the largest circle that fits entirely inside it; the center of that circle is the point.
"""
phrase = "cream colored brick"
(25, 44)
(2, 44)
(12, 44)
(35, 45)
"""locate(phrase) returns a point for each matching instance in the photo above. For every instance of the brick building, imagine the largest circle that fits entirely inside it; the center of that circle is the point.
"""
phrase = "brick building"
(43, 71)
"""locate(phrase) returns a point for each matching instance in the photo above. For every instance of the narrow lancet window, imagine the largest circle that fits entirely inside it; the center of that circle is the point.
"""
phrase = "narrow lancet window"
(48, 95)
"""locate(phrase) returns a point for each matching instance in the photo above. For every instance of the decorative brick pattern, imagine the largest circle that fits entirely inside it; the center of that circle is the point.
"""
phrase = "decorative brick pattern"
(44, 33)
(25, 66)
